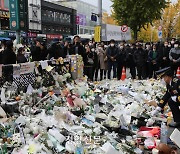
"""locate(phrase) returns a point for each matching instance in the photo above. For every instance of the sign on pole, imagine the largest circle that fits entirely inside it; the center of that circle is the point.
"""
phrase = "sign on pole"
(160, 34)
(97, 34)
(18, 14)
(124, 28)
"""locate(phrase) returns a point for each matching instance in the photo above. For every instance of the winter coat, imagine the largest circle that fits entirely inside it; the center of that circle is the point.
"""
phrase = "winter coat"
(112, 52)
(101, 58)
(9, 57)
(140, 57)
(21, 58)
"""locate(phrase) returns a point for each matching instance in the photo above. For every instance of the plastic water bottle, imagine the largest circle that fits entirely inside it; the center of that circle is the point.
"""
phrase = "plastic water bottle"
(164, 133)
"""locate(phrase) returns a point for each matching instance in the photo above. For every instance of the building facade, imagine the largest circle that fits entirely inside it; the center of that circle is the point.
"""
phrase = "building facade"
(57, 19)
(4, 14)
(84, 12)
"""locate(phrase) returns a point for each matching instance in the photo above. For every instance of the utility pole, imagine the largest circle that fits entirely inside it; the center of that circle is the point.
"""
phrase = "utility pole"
(100, 12)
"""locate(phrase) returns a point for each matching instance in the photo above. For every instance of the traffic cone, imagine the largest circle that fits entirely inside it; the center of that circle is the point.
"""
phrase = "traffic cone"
(123, 76)
(178, 72)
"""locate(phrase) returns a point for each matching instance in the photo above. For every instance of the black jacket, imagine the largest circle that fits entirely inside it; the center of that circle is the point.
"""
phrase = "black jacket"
(21, 58)
(39, 54)
(9, 57)
(112, 52)
(140, 57)
(56, 51)
(130, 57)
(122, 56)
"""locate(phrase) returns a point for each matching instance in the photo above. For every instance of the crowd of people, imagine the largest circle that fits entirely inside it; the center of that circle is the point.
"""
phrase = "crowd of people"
(143, 59)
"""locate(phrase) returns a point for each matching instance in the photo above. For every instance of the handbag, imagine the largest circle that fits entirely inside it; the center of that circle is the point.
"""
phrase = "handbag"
(90, 61)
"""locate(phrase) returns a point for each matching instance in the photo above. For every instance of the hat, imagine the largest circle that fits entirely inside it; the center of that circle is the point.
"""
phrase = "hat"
(165, 71)
(39, 39)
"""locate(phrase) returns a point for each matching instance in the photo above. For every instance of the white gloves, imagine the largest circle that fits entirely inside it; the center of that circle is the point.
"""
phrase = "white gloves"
(156, 111)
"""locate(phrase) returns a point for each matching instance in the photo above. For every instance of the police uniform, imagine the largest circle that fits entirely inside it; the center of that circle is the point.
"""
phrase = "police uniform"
(172, 95)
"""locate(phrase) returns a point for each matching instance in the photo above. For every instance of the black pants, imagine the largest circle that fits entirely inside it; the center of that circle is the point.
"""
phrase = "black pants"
(141, 71)
(174, 67)
(119, 70)
(102, 74)
(152, 69)
(133, 71)
(88, 70)
(110, 65)
(175, 109)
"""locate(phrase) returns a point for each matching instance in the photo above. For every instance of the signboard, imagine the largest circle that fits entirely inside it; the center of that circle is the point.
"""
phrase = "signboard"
(160, 34)
(160, 28)
(97, 34)
(53, 36)
(4, 14)
(81, 19)
(18, 14)
(124, 28)
(115, 32)
(34, 13)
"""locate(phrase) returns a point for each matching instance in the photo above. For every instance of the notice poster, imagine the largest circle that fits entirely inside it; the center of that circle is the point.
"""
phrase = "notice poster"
(27, 68)
(16, 70)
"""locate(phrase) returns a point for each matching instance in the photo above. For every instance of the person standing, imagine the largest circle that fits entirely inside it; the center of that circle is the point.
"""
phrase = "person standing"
(174, 56)
(121, 60)
(140, 60)
(153, 62)
(112, 53)
(3, 47)
(9, 56)
(164, 56)
(101, 61)
(20, 55)
(39, 52)
(130, 60)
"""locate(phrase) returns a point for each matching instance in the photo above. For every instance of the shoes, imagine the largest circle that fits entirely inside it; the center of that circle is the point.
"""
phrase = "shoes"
(174, 124)
(156, 111)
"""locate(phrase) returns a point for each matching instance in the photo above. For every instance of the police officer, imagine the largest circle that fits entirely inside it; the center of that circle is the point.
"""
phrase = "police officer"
(172, 95)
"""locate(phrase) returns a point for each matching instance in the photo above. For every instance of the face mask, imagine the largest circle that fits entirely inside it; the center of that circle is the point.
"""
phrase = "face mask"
(112, 45)
(90, 44)
(154, 49)
(169, 46)
(165, 45)
(132, 47)
(93, 50)
(176, 45)
(163, 82)
(172, 42)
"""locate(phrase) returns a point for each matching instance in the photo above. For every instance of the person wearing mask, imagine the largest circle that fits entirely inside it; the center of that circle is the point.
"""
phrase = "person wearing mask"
(153, 62)
(174, 56)
(130, 60)
(172, 95)
(101, 61)
(148, 48)
(95, 63)
(77, 48)
(121, 60)
(164, 55)
(140, 60)
(9, 56)
(112, 53)
(39, 52)
(172, 42)
(20, 55)
(88, 64)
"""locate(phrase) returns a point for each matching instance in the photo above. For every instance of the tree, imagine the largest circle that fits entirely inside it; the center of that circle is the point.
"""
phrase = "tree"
(108, 19)
(138, 13)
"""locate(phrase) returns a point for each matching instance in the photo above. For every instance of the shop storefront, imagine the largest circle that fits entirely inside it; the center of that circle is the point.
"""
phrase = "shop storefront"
(57, 20)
